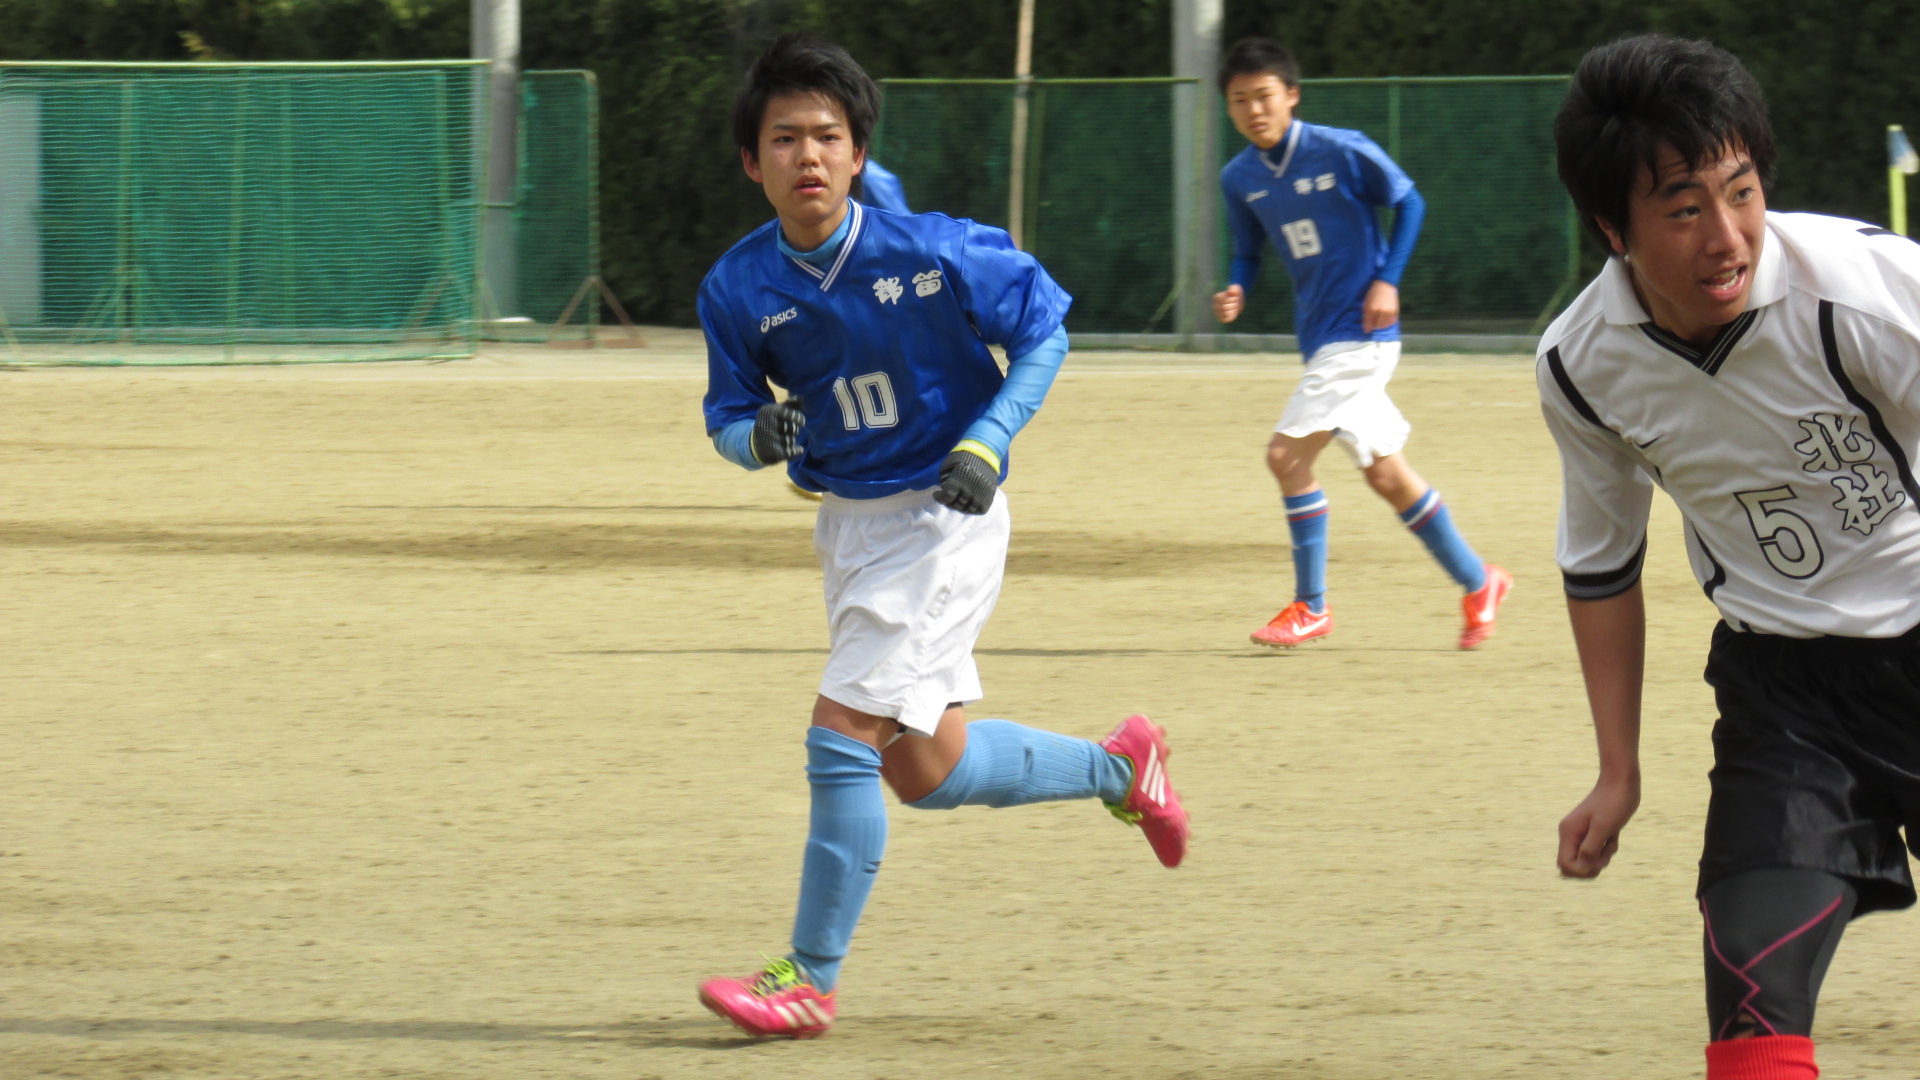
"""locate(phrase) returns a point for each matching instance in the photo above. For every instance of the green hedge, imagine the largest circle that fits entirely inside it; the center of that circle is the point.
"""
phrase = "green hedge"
(673, 196)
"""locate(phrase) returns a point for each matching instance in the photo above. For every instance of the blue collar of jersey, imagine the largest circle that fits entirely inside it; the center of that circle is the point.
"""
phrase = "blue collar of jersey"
(1292, 143)
(834, 251)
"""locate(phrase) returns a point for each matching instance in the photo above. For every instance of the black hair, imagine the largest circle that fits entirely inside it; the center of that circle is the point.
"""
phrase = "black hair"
(1634, 95)
(797, 64)
(1256, 56)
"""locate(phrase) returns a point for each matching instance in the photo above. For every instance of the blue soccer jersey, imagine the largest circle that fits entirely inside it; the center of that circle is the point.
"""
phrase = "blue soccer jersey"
(1313, 195)
(886, 345)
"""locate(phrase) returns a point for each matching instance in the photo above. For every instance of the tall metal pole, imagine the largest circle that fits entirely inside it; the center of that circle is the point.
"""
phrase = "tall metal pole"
(1196, 157)
(496, 37)
(1017, 173)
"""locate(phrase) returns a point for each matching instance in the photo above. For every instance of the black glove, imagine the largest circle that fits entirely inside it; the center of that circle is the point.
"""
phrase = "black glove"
(776, 431)
(967, 482)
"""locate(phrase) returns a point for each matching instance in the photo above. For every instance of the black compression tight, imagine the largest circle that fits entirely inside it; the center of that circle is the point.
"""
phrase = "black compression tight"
(1769, 937)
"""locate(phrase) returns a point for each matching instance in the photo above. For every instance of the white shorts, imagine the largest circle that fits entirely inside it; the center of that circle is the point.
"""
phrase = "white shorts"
(909, 585)
(1344, 391)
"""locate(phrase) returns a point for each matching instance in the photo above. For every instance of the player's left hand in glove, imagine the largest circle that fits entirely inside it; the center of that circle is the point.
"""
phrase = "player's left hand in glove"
(967, 482)
(776, 431)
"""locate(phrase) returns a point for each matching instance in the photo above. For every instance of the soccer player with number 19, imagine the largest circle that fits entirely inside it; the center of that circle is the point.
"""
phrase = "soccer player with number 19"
(877, 325)
(1313, 192)
(1764, 370)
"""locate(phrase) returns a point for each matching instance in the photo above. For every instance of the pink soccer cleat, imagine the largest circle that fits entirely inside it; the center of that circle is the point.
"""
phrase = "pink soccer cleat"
(776, 1002)
(1296, 624)
(1151, 803)
(1482, 605)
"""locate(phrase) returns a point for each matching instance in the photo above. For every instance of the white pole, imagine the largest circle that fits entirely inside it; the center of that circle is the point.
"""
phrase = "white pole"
(496, 37)
(1017, 174)
(1196, 156)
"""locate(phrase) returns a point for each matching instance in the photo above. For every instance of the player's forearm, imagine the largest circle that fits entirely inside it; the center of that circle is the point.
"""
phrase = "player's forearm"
(1029, 377)
(1610, 635)
(1408, 214)
(735, 443)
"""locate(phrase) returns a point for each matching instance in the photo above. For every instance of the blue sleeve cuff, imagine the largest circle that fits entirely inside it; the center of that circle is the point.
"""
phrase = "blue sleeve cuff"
(1408, 213)
(735, 443)
(1029, 377)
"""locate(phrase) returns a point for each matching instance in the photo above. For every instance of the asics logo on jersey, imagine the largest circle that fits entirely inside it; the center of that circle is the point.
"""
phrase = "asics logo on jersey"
(1153, 778)
(768, 322)
(1261, 194)
(888, 290)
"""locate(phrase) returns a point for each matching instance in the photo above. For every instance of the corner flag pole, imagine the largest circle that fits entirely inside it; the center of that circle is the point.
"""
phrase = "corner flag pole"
(1901, 162)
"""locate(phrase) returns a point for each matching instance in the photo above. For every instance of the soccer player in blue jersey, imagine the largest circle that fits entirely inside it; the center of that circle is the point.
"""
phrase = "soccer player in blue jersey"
(877, 325)
(1313, 191)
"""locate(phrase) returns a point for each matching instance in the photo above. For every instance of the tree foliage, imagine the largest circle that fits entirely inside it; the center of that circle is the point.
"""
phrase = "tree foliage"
(673, 196)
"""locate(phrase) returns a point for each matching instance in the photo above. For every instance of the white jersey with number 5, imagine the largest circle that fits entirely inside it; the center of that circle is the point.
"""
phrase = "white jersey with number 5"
(1788, 442)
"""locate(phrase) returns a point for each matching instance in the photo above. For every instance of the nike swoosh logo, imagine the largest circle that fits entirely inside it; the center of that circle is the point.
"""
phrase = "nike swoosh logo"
(1309, 627)
(1650, 442)
(1488, 609)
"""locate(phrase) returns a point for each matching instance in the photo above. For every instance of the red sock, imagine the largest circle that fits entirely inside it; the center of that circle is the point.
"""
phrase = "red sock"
(1768, 1057)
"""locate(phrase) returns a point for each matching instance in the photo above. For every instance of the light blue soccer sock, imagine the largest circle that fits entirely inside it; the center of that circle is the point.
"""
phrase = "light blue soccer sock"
(1428, 519)
(1009, 764)
(846, 836)
(1307, 521)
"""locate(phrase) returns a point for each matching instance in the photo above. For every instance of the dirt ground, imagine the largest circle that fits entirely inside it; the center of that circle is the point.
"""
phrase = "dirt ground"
(444, 722)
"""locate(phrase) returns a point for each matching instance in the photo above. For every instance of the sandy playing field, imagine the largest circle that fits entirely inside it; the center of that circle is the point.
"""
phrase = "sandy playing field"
(444, 721)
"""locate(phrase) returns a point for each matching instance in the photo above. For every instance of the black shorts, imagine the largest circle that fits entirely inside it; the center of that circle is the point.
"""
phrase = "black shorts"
(1816, 759)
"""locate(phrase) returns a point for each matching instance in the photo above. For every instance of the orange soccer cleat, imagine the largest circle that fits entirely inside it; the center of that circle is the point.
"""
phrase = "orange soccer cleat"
(1482, 605)
(1293, 626)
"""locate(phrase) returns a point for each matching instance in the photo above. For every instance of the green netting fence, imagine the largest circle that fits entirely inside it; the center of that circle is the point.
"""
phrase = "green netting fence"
(205, 213)
(556, 211)
(1109, 183)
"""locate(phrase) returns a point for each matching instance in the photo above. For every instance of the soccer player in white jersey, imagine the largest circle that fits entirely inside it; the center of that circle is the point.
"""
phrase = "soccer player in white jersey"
(1764, 370)
(1312, 192)
(877, 326)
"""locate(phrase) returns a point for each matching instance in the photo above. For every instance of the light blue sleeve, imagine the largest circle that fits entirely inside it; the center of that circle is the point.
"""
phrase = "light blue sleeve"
(735, 443)
(1029, 376)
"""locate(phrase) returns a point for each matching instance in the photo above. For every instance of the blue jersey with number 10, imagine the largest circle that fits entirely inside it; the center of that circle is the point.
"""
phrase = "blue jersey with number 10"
(886, 344)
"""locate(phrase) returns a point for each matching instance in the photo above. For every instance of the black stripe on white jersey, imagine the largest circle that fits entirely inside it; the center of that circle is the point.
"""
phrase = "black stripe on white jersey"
(1574, 397)
(1607, 583)
(1830, 343)
(1884, 232)
(1709, 359)
(1719, 577)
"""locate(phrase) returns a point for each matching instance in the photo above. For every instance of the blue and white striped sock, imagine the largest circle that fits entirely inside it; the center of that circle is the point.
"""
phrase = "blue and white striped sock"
(1307, 523)
(1428, 519)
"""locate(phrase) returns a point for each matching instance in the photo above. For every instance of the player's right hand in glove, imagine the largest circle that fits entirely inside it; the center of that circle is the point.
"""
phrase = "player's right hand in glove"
(967, 482)
(776, 431)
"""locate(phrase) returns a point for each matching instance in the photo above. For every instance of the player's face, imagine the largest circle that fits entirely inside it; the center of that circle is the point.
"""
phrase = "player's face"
(1693, 238)
(806, 164)
(1261, 106)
